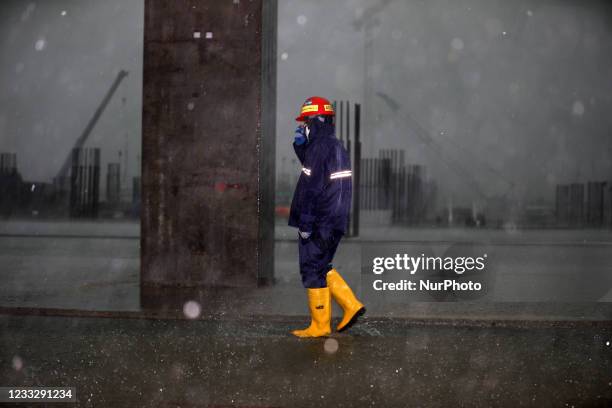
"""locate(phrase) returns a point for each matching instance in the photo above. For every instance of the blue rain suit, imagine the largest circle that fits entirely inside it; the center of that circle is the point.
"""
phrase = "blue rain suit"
(321, 202)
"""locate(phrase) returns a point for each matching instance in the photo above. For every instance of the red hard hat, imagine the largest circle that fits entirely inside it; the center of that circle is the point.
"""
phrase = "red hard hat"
(315, 105)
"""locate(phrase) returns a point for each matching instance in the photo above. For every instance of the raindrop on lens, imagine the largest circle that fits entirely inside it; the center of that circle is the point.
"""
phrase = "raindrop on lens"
(578, 108)
(17, 363)
(457, 44)
(302, 20)
(192, 309)
(40, 44)
(330, 346)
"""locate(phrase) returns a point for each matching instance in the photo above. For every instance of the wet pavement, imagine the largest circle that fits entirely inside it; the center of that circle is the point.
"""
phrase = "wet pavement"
(95, 266)
(70, 315)
(255, 363)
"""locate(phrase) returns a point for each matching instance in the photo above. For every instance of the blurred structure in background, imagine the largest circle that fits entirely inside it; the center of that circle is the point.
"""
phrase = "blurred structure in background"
(76, 195)
(8, 163)
(403, 190)
(575, 208)
(119, 203)
(85, 182)
(10, 185)
(595, 203)
(393, 192)
(113, 183)
(75, 190)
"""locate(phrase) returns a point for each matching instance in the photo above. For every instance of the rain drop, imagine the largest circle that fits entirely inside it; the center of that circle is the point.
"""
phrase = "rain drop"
(578, 108)
(457, 44)
(192, 309)
(17, 363)
(330, 346)
(40, 44)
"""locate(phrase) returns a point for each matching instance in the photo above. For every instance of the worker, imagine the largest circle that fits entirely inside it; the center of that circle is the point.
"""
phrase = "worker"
(320, 210)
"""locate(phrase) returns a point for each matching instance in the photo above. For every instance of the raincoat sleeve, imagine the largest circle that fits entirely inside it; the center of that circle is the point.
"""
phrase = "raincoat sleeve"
(316, 176)
(300, 151)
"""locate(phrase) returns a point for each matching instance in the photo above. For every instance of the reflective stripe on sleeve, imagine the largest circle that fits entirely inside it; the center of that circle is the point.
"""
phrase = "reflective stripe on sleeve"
(341, 174)
(306, 171)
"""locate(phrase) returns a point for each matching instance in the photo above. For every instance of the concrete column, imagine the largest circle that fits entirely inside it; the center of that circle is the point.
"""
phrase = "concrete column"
(208, 144)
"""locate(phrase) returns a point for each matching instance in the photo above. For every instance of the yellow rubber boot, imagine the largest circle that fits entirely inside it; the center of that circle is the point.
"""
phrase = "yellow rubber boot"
(319, 302)
(345, 297)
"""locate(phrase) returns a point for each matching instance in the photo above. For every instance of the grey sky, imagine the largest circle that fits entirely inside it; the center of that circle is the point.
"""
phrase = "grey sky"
(517, 88)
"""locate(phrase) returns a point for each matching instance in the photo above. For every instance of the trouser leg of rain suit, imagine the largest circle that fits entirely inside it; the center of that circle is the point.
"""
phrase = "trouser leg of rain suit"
(316, 255)
(345, 297)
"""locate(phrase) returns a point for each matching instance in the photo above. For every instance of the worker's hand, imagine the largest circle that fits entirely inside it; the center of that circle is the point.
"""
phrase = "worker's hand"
(300, 136)
(304, 235)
